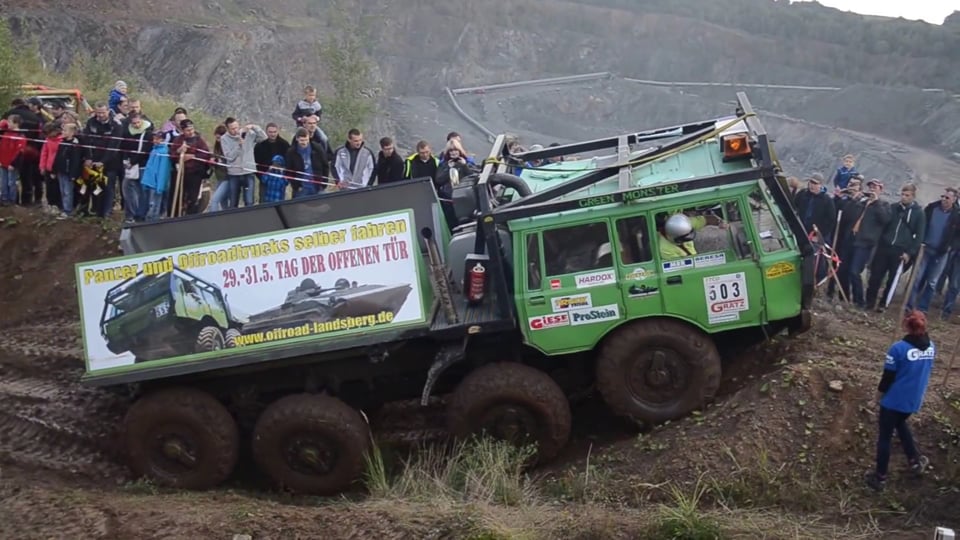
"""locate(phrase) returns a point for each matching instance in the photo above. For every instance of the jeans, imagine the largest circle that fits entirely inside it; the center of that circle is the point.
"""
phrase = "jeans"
(154, 202)
(930, 269)
(105, 206)
(237, 183)
(66, 192)
(858, 262)
(890, 421)
(221, 197)
(131, 198)
(8, 185)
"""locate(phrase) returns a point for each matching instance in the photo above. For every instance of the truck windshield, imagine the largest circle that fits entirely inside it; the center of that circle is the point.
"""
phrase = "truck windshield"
(136, 294)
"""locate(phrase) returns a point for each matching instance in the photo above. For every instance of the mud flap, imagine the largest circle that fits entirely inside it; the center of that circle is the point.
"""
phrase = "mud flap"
(447, 356)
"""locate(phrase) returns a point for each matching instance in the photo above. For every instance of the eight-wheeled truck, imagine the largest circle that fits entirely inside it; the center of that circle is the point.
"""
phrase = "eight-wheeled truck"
(627, 269)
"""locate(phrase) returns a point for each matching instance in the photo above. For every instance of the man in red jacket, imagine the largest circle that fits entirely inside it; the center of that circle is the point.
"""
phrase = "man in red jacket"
(12, 143)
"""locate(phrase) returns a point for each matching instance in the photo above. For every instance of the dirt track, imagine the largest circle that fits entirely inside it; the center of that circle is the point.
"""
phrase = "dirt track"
(62, 475)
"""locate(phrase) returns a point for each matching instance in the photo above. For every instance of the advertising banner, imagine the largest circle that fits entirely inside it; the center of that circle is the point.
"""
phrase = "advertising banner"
(324, 281)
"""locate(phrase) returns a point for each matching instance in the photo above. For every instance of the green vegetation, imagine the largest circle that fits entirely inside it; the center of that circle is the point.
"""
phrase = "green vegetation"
(9, 72)
(349, 71)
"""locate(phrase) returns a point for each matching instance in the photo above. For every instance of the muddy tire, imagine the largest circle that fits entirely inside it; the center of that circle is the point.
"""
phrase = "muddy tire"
(657, 370)
(210, 338)
(230, 338)
(512, 402)
(182, 438)
(312, 444)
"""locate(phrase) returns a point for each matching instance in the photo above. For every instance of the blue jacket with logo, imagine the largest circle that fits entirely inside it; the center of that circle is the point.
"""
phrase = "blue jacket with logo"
(906, 374)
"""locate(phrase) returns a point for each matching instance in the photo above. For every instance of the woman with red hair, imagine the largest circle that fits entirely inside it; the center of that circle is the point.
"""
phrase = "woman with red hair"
(906, 373)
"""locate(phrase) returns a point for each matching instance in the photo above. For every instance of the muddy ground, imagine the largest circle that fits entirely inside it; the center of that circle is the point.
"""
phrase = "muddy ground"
(779, 455)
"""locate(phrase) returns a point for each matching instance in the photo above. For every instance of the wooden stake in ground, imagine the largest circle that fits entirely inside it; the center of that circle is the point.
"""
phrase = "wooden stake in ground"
(953, 357)
(913, 278)
(178, 188)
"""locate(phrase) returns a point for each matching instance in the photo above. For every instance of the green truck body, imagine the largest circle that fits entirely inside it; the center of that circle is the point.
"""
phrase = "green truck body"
(551, 281)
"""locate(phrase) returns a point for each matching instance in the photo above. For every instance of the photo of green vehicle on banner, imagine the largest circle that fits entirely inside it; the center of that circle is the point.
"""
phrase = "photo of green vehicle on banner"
(333, 279)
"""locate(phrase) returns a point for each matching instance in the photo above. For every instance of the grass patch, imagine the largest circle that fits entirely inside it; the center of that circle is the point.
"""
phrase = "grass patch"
(683, 518)
(479, 470)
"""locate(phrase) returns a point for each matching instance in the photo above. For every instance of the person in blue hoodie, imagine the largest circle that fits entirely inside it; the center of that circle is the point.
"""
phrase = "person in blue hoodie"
(116, 95)
(906, 374)
(845, 173)
(155, 179)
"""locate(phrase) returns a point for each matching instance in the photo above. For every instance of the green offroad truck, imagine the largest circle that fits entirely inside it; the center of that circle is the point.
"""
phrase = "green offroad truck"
(169, 313)
(574, 274)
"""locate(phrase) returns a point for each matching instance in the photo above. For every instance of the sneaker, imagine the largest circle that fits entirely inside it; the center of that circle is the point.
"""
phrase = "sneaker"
(62, 216)
(920, 466)
(874, 482)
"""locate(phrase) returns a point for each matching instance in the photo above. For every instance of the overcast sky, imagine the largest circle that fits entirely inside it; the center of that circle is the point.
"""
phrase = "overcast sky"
(932, 11)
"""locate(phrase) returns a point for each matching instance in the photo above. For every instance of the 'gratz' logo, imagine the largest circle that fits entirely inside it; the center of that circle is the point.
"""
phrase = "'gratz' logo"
(916, 354)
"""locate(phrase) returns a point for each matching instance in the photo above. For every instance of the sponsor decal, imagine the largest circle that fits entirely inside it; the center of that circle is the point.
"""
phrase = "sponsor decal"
(595, 279)
(554, 284)
(679, 264)
(916, 354)
(710, 259)
(577, 301)
(639, 291)
(594, 315)
(726, 297)
(637, 274)
(549, 321)
(780, 269)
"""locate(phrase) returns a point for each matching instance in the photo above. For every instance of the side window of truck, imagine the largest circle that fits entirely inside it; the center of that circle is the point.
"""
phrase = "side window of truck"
(732, 239)
(769, 228)
(534, 278)
(634, 240)
(578, 248)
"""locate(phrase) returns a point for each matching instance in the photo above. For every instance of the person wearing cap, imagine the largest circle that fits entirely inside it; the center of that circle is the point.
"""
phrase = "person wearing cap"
(870, 215)
(197, 161)
(274, 183)
(942, 218)
(899, 243)
(118, 93)
(817, 211)
(845, 202)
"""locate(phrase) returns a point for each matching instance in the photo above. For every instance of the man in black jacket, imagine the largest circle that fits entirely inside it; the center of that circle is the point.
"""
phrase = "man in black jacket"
(941, 221)
(389, 163)
(816, 209)
(870, 216)
(102, 134)
(263, 153)
(898, 244)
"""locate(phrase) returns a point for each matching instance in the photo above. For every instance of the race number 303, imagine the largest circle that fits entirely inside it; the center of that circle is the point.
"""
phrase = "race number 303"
(726, 297)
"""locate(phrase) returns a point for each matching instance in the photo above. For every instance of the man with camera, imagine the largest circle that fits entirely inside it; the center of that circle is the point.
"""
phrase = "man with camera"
(941, 221)
(845, 201)
(868, 216)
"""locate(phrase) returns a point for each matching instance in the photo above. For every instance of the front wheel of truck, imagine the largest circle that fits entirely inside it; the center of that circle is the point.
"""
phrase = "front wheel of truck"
(313, 444)
(182, 438)
(514, 403)
(656, 370)
(210, 338)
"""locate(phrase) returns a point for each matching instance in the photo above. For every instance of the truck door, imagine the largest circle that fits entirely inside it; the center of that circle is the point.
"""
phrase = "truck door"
(718, 284)
(638, 276)
(571, 295)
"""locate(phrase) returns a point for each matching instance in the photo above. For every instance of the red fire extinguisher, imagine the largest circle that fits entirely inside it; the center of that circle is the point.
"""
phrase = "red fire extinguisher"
(477, 283)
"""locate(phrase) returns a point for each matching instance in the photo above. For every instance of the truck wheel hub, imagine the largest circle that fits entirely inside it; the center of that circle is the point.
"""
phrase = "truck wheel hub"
(311, 455)
(509, 422)
(656, 375)
(174, 448)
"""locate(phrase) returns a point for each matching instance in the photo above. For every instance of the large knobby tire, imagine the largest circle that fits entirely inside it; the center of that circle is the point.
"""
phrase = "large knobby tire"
(210, 338)
(657, 370)
(182, 438)
(312, 444)
(230, 338)
(512, 402)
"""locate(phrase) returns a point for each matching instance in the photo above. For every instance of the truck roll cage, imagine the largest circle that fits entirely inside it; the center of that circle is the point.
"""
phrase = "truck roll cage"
(764, 166)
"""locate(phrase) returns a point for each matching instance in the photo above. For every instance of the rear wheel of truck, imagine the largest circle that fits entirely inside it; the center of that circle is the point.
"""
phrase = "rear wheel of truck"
(657, 370)
(230, 338)
(181, 437)
(210, 338)
(514, 403)
(311, 443)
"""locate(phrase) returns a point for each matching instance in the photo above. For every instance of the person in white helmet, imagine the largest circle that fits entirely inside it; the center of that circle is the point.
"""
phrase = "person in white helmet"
(678, 231)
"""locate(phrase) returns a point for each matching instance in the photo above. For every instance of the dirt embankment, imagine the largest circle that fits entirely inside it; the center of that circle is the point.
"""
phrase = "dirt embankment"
(780, 450)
